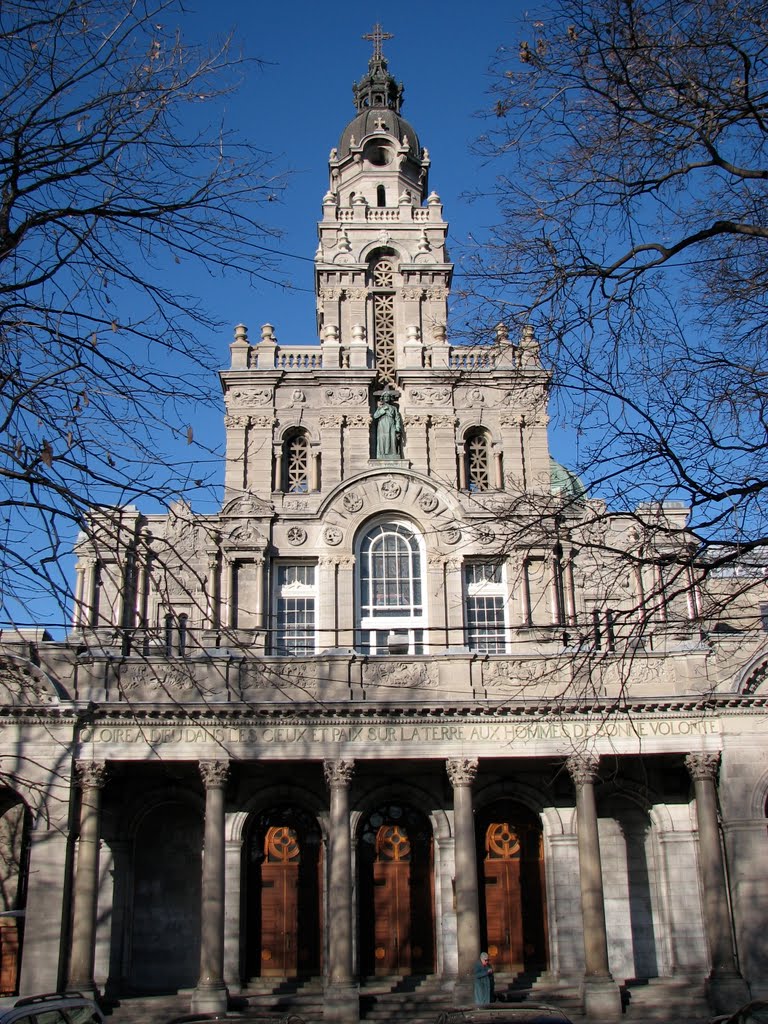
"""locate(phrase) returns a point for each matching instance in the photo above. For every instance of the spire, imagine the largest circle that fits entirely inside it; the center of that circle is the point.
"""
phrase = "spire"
(378, 88)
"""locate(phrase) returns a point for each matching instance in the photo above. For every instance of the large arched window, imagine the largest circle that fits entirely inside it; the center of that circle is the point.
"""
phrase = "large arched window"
(391, 616)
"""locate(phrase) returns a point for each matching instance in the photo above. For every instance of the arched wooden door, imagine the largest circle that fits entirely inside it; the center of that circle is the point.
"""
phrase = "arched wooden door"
(512, 871)
(284, 903)
(396, 895)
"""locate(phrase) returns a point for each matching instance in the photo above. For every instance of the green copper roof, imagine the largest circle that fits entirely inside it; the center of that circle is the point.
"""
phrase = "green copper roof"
(564, 483)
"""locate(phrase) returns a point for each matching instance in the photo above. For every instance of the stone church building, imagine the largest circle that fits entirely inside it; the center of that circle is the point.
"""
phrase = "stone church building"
(410, 694)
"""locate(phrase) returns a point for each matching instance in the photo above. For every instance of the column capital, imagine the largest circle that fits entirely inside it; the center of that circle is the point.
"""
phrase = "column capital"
(214, 773)
(338, 773)
(703, 767)
(91, 774)
(461, 770)
(583, 768)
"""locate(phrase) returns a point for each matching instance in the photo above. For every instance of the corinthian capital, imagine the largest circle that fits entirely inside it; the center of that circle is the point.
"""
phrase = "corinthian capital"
(338, 773)
(703, 767)
(461, 770)
(91, 774)
(214, 773)
(583, 768)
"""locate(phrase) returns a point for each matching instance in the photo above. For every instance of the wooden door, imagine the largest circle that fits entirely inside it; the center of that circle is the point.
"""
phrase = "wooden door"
(392, 901)
(280, 903)
(503, 898)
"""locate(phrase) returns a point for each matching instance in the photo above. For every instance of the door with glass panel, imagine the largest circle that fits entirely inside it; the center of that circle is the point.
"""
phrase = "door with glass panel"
(391, 609)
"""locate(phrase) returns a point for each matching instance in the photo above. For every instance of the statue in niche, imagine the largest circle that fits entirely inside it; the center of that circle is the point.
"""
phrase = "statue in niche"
(389, 427)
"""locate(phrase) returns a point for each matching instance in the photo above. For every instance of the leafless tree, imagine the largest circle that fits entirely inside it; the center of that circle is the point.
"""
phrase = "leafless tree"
(630, 139)
(115, 178)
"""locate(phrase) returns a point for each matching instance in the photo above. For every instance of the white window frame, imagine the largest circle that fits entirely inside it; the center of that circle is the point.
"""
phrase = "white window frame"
(403, 632)
(492, 639)
(304, 637)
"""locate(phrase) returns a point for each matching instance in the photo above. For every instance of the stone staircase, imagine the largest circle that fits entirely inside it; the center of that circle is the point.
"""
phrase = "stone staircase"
(415, 999)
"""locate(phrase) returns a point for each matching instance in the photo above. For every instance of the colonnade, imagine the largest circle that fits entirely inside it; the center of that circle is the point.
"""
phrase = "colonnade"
(600, 991)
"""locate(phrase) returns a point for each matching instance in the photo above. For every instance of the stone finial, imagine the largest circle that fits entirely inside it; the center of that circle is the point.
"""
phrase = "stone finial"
(329, 199)
(501, 334)
(268, 334)
(331, 334)
(412, 333)
(343, 241)
(241, 335)
(433, 199)
(405, 198)
(358, 333)
(424, 245)
(440, 333)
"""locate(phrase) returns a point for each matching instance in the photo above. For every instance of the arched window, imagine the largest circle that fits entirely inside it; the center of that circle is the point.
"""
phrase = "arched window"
(477, 461)
(392, 616)
(382, 282)
(381, 196)
(296, 464)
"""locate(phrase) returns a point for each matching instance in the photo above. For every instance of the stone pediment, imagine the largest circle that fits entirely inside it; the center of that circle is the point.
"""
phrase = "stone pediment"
(248, 505)
(23, 684)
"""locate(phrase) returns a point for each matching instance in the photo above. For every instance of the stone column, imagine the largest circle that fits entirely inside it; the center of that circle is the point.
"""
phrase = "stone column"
(90, 777)
(462, 772)
(602, 999)
(342, 1003)
(726, 988)
(210, 996)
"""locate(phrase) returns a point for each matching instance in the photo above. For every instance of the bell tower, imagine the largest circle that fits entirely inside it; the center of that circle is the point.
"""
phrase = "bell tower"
(381, 269)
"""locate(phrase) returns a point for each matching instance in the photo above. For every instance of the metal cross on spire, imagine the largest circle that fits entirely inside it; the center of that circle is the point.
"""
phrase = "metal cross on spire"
(377, 37)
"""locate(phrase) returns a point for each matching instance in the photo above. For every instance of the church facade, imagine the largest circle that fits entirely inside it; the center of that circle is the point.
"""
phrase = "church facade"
(410, 694)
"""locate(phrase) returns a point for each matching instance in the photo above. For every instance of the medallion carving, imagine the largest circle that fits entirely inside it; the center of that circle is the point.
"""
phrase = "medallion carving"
(452, 535)
(352, 501)
(428, 502)
(296, 535)
(333, 535)
(390, 489)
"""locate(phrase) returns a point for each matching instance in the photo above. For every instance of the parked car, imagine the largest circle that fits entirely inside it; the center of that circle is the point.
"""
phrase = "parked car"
(53, 1008)
(755, 1012)
(508, 1013)
(245, 1016)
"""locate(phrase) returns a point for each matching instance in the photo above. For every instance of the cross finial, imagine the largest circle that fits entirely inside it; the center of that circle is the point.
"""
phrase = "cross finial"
(377, 37)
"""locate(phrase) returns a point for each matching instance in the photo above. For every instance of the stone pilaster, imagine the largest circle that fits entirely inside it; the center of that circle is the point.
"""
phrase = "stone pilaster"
(210, 996)
(726, 987)
(91, 777)
(602, 999)
(342, 1004)
(462, 773)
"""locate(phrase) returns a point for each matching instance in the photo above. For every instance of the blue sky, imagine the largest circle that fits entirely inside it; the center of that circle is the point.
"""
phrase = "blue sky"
(297, 103)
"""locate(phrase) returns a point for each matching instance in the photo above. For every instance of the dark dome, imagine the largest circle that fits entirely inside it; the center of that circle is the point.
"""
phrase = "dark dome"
(366, 124)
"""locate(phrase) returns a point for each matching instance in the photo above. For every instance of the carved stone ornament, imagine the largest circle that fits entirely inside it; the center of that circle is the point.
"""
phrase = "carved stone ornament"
(346, 396)
(335, 420)
(247, 399)
(23, 683)
(298, 397)
(452, 535)
(246, 536)
(430, 396)
(295, 504)
(338, 773)
(703, 767)
(332, 535)
(214, 773)
(240, 422)
(461, 770)
(485, 535)
(428, 502)
(583, 769)
(91, 774)
(154, 681)
(402, 675)
(390, 489)
(247, 505)
(358, 421)
(260, 421)
(296, 535)
(352, 501)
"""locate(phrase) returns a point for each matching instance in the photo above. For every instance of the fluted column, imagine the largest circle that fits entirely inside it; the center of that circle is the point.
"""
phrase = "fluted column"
(601, 995)
(90, 777)
(726, 986)
(462, 772)
(342, 1002)
(211, 992)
